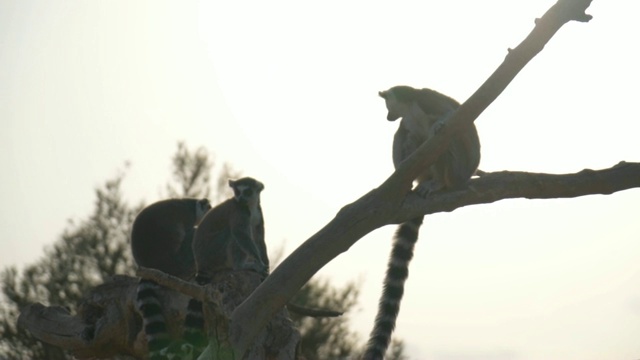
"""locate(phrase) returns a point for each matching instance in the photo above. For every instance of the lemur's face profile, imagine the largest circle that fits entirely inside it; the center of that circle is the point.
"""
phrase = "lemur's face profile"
(396, 108)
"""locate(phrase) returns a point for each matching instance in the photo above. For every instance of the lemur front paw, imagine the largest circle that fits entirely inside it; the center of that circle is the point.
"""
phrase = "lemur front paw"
(428, 187)
(436, 127)
(256, 266)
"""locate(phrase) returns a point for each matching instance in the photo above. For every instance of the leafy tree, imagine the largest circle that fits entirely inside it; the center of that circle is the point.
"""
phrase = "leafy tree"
(86, 254)
(191, 172)
(331, 338)
(91, 250)
(326, 338)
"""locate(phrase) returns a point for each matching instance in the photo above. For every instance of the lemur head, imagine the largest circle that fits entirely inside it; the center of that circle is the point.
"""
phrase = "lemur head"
(398, 100)
(247, 190)
(202, 206)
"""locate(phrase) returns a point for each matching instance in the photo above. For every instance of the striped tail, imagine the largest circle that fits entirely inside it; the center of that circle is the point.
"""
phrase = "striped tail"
(194, 332)
(393, 289)
(155, 327)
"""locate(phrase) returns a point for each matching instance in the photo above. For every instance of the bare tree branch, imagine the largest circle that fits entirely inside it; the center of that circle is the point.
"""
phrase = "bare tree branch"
(105, 325)
(108, 322)
(246, 330)
(502, 185)
(212, 294)
(192, 290)
(278, 341)
(381, 205)
(54, 325)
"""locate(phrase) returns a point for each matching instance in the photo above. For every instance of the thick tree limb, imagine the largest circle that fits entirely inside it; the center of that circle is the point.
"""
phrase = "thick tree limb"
(188, 288)
(380, 206)
(212, 294)
(502, 185)
(559, 14)
(54, 325)
(278, 341)
(106, 324)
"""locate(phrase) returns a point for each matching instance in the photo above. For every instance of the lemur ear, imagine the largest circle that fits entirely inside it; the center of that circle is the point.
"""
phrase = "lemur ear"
(231, 182)
(382, 94)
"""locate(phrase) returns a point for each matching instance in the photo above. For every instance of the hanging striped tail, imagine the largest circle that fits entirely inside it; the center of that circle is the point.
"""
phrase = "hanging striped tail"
(194, 332)
(153, 321)
(393, 289)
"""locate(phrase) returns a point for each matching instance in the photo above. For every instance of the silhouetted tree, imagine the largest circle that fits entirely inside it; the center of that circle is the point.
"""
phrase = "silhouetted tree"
(86, 254)
(331, 338)
(93, 249)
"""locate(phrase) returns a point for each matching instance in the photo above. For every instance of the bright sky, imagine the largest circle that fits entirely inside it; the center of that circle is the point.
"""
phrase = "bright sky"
(287, 93)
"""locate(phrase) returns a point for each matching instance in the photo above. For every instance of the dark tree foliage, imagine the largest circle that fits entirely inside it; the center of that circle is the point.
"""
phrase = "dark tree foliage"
(331, 338)
(86, 254)
(93, 249)
(326, 338)
(396, 350)
(192, 172)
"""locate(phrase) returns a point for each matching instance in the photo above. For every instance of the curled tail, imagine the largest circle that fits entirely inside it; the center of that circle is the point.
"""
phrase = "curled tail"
(393, 289)
(153, 321)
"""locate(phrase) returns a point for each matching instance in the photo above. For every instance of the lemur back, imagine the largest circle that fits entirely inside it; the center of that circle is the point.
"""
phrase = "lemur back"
(161, 238)
(423, 112)
(162, 235)
(229, 237)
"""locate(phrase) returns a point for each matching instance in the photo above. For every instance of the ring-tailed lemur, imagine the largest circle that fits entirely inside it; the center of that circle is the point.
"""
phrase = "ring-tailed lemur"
(229, 237)
(423, 111)
(161, 238)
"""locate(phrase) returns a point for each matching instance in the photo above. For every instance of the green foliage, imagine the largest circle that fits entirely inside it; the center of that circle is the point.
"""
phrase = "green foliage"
(331, 338)
(191, 170)
(326, 338)
(85, 255)
(396, 350)
(95, 248)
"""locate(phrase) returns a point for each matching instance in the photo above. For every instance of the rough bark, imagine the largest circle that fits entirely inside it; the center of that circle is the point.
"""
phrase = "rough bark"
(241, 327)
(108, 324)
(279, 340)
(492, 187)
(380, 206)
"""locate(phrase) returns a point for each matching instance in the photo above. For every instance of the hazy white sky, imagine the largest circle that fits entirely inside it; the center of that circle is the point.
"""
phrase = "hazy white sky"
(287, 93)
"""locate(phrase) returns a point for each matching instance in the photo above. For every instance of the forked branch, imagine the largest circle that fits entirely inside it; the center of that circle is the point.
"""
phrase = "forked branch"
(381, 206)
